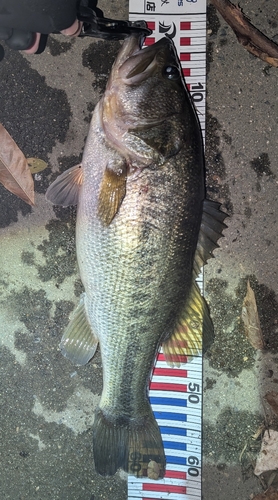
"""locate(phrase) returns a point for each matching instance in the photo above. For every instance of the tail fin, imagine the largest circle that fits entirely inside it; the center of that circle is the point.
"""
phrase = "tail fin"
(127, 443)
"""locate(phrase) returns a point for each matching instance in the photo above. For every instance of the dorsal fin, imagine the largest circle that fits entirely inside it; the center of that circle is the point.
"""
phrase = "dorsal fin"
(193, 330)
(211, 230)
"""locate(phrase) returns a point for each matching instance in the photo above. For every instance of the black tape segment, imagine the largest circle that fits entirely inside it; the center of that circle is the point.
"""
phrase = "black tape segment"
(42, 44)
(2, 53)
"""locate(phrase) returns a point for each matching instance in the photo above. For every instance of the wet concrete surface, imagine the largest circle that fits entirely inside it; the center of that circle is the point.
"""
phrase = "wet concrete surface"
(47, 404)
(241, 150)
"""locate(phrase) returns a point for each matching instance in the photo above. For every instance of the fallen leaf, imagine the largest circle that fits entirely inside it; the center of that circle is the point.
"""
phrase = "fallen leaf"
(268, 457)
(269, 494)
(14, 172)
(153, 470)
(36, 165)
(251, 320)
(272, 399)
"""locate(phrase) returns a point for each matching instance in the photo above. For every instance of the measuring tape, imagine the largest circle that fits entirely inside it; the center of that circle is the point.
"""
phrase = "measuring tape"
(176, 399)
(176, 393)
(185, 22)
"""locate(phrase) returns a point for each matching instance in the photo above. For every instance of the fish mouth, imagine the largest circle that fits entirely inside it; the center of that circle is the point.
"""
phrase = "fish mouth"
(136, 64)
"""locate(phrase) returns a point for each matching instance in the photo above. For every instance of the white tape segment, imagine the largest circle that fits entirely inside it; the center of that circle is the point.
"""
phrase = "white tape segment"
(176, 393)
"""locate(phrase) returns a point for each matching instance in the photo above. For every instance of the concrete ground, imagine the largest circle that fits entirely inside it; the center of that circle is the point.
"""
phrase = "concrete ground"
(47, 404)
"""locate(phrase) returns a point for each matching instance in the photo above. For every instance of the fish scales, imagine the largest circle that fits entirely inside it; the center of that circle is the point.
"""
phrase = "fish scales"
(141, 255)
(140, 206)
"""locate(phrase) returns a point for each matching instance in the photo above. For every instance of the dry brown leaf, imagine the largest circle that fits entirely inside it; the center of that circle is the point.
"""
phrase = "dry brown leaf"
(267, 459)
(270, 494)
(14, 171)
(153, 470)
(272, 399)
(251, 320)
(36, 165)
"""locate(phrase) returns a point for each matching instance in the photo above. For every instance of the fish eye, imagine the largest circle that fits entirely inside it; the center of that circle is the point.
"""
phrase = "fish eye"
(171, 72)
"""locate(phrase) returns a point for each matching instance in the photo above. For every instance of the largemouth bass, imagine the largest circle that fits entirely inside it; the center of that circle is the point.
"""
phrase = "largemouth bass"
(143, 231)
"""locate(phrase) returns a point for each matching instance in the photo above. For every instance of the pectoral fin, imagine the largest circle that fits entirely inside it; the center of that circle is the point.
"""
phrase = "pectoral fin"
(65, 189)
(193, 331)
(112, 191)
(78, 343)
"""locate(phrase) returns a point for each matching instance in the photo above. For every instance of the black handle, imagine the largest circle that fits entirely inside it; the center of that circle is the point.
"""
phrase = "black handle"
(109, 29)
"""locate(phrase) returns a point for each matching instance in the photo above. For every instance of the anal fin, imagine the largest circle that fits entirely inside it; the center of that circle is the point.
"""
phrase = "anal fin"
(78, 343)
